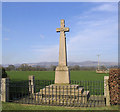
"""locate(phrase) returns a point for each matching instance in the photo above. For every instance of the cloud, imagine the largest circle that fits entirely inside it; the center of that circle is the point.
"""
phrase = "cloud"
(6, 39)
(96, 38)
(42, 36)
(96, 34)
(46, 53)
(105, 7)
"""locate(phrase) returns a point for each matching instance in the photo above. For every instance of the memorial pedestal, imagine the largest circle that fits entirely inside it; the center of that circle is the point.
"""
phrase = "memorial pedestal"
(62, 75)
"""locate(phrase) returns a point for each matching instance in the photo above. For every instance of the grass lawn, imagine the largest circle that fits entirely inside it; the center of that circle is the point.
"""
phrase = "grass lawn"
(50, 75)
(14, 106)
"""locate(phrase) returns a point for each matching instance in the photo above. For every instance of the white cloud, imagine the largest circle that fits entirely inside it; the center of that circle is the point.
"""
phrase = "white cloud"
(42, 36)
(46, 53)
(6, 39)
(94, 34)
(97, 38)
(106, 7)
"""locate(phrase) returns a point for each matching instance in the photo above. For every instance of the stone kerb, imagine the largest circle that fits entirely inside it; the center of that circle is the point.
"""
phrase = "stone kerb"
(5, 89)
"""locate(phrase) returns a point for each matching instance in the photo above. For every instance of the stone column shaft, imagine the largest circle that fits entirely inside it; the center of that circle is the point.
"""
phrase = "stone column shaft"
(62, 51)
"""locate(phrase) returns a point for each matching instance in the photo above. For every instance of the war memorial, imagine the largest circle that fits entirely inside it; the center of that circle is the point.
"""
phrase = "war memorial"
(62, 91)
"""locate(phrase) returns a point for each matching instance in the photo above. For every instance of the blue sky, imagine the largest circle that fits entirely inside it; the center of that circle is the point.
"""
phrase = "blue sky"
(29, 31)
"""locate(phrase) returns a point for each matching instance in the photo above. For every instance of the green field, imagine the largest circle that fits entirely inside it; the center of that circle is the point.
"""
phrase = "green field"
(13, 106)
(50, 75)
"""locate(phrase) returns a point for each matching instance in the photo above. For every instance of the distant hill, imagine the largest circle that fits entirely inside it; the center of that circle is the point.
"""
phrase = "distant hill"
(84, 63)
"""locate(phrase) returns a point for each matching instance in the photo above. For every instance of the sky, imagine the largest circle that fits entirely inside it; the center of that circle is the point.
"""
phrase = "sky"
(29, 31)
(60, 0)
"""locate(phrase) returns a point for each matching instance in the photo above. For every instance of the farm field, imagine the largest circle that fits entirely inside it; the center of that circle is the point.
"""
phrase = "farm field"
(50, 75)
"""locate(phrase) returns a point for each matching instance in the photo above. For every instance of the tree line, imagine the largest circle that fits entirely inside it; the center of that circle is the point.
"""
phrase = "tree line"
(26, 67)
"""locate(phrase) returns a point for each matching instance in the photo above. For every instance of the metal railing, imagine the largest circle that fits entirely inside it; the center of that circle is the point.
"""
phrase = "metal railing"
(77, 94)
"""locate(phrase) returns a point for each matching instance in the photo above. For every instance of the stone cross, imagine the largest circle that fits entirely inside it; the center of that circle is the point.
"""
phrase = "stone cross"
(62, 44)
(62, 29)
(62, 74)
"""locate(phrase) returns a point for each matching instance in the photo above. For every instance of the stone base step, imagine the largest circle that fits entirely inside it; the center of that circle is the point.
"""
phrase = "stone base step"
(94, 101)
(62, 92)
(62, 89)
(63, 86)
(82, 97)
(67, 93)
(61, 100)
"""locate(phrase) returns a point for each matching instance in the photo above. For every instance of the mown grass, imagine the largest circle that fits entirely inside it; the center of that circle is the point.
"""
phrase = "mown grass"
(50, 75)
(14, 106)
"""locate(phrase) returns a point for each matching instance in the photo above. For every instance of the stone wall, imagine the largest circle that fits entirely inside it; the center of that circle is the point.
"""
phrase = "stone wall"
(114, 83)
(102, 71)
